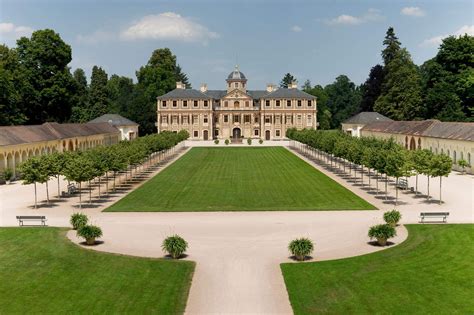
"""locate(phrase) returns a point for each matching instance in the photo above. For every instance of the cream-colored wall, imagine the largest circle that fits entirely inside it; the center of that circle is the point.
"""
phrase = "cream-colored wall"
(455, 149)
(126, 130)
(352, 129)
(12, 156)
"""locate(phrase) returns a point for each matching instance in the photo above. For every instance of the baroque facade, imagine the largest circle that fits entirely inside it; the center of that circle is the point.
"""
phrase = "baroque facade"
(236, 112)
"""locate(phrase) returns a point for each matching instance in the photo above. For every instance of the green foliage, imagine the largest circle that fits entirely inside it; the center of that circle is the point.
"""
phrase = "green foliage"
(372, 88)
(32, 171)
(343, 100)
(249, 141)
(392, 46)
(440, 165)
(324, 114)
(227, 141)
(8, 174)
(287, 80)
(216, 141)
(260, 141)
(78, 220)
(382, 232)
(392, 217)
(90, 233)
(463, 163)
(175, 246)
(301, 247)
(98, 98)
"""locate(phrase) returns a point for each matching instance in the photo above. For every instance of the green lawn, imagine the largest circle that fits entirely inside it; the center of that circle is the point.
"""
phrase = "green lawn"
(41, 271)
(236, 179)
(430, 273)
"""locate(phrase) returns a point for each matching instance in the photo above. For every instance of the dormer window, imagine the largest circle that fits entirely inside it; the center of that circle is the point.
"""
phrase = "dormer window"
(236, 85)
(163, 104)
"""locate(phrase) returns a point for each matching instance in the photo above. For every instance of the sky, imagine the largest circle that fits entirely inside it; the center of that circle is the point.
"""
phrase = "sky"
(315, 40)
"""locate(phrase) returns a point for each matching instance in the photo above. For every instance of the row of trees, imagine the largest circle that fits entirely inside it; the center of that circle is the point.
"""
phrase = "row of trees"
(37, 85)
(441, 88)
(384, 157)
(87, 165)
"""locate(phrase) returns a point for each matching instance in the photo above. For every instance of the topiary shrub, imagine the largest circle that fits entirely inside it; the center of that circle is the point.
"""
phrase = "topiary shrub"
(392, 217)
(260, 141)
(382, 232)
(90, 233)
(249, 141)
(300, 248)
(175, 246)
(78, 220)
(226, 141)
(216, 141)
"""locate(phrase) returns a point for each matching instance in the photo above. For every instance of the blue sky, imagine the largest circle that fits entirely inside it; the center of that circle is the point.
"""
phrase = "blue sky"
(316, 40)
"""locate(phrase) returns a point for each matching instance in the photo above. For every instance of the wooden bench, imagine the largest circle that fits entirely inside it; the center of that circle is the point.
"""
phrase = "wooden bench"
(22, 218)
(71, 189)
(443, 215)
(402, 183)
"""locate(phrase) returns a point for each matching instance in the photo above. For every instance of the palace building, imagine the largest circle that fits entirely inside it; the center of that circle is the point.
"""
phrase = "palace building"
(236, 112)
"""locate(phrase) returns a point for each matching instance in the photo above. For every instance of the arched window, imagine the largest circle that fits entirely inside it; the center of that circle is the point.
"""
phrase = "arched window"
(449, 153)
(419, 143)
(454, 156)
(236, 104)
(226, 104)
(412, 144)
(469, 158)
(462, 155)
(406, 142)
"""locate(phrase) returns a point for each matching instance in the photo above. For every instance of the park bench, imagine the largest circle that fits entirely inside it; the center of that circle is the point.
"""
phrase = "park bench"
(443, 215)
(22, 218)
(71, 189)
(402, 183)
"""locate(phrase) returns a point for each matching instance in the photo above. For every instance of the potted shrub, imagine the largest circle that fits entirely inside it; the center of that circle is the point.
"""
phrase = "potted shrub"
(216, 141)
(392, 217)
(300, 248)
(78, 220)
(382, 232)
(226, 141)
(90, 233)
(260, 141)
(8, 175)
(174, 245)
(463, 164)
(249, 141)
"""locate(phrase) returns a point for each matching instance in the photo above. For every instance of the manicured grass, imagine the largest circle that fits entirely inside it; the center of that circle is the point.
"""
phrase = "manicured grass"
(43, 272)
(430, 273)
(235, 179)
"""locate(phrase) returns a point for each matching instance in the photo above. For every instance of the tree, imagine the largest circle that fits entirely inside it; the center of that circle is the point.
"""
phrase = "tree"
(372, 88)
(343, 100)
(324, 115)
(421, 160)
(392, 46)
(80, 110)
(50, 87)
(121, 93)
(395, 167)
(463, 164)
(32, 172)
(306, 86)
(287, 80)
(182, 77)
(98, 98)
(401, 91)
(79, 169)
(440, 166)
(156, 78)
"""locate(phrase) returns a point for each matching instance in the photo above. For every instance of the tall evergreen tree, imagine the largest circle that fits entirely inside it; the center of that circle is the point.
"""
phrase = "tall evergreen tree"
(80, 109)
(287, 80)
(343, 100)
(401, 92)
(182, 77)
(306, 86)
(392, 46)
(121, 92)
(372, 88)
(98, 98)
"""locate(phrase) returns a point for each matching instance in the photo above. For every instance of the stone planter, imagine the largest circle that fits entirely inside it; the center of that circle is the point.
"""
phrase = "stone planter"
(90, 241)
(382, 241)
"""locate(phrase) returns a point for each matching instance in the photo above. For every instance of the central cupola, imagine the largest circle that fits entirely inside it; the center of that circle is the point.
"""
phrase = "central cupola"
(236, 80)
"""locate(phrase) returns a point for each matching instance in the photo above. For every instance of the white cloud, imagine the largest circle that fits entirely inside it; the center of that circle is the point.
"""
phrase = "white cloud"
(346, 19)
(296, 28)
(437, 40)
(12, 31)
(413, 11)
(98, 36)
(168, 26)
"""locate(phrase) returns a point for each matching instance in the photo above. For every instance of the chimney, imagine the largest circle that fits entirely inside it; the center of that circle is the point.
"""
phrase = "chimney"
(270, 87)
(203, 88)
(180, 85)
(293, 85)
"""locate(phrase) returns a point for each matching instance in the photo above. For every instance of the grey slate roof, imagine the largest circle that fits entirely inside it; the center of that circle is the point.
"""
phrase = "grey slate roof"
(427, 128)
(11, 135)
(183, 94)
(364, 118)
(114, 120)
(289, 93)
(216, 94)
(236, 75)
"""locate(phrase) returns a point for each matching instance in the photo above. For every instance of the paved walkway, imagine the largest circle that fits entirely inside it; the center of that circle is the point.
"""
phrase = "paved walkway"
(238, 253)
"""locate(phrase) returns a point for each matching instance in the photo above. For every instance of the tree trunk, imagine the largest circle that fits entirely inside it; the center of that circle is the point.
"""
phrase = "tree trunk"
(428, 195)
(107, 182)
(377, 181)
(396, 192)
(80, 196)
(59, 192)
(440, 178)
(99, 187)
(90, 192)
(416, 185)
(386, 191)
(369, 177)
(362, 175)
(114, 181)
(47, 193)
(36, 199)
